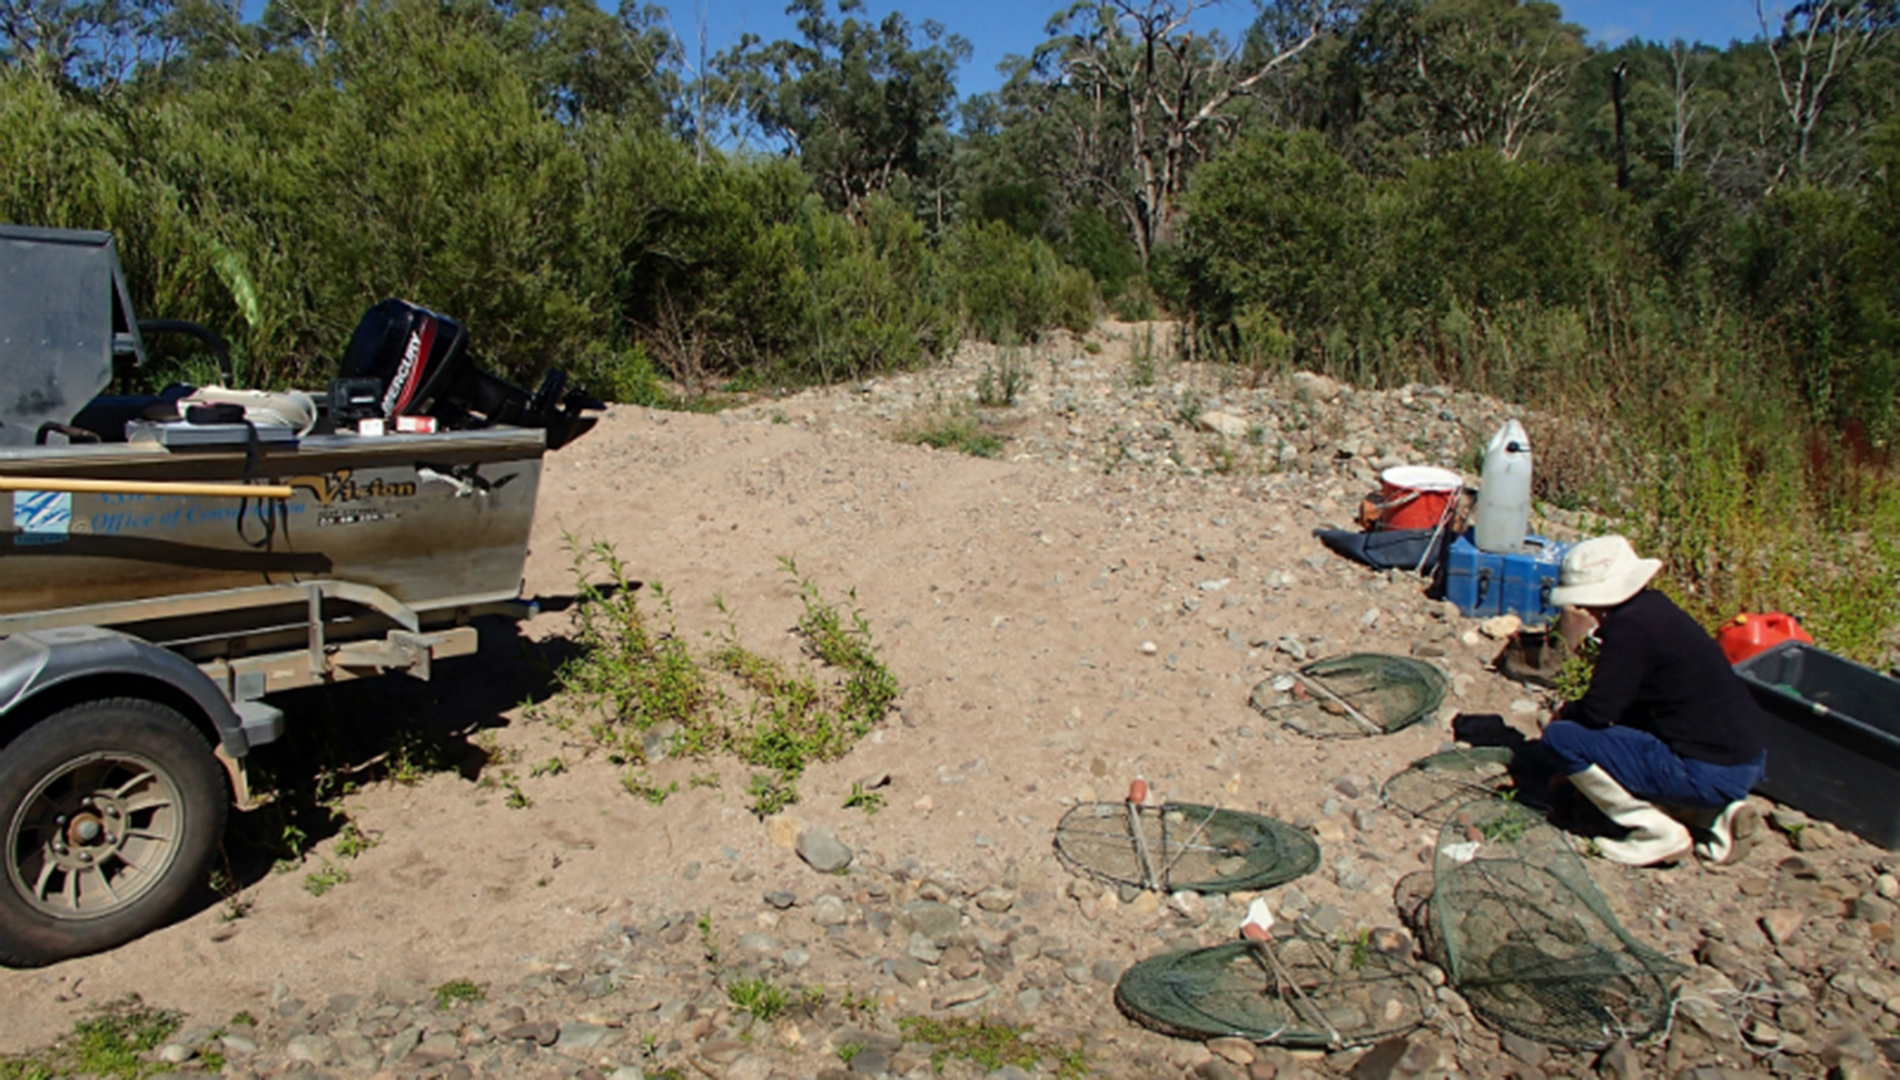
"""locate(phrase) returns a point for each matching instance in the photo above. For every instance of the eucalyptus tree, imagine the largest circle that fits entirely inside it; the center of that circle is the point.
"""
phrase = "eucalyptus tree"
(1814, 48)
(1140, 97)
(863, 105)
(89, 44)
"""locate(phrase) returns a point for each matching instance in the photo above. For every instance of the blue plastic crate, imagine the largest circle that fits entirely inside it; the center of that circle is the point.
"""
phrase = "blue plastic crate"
(1485, 583)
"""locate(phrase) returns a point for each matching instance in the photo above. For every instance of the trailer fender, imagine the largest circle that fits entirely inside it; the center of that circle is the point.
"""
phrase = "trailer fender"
(37, 661)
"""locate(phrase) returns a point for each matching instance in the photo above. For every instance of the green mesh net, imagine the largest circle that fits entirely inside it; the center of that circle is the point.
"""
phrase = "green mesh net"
(1522, 932)
(1432, 787)
(1298, 992)
(1183, 846)
(1353, 695)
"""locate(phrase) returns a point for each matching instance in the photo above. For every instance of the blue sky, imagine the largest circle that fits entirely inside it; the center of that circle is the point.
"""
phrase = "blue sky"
(997, 28)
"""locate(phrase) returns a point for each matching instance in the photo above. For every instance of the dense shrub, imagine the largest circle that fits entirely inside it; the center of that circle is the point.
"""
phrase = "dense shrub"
(1009, 287)
(1279, 234)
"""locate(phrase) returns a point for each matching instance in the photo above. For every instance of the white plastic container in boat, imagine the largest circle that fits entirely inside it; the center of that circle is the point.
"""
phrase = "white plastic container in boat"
(1504, 503)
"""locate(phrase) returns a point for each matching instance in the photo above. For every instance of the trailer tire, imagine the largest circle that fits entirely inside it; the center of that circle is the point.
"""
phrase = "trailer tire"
(112, 811)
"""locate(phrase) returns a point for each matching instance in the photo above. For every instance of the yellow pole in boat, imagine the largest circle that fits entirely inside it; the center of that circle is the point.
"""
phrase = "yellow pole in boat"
(147, 487)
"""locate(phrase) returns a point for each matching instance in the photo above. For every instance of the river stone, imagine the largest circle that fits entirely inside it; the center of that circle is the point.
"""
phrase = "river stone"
(930, 918)
(759, 942)
(1227, 424)
(1781, 924)
(830, 910)
(822, 850)
(543, 1032)
(318, 1050)
(579, 1036)
(996, 899)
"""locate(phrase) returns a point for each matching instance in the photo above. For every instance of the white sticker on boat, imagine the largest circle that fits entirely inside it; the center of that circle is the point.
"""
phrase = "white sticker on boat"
(42, 517)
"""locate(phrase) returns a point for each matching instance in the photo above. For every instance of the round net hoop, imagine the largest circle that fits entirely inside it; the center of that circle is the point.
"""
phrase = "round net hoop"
(1351, 696)
(1431, 788)
(1529, 940)
(1298, 992)
(1183, 846)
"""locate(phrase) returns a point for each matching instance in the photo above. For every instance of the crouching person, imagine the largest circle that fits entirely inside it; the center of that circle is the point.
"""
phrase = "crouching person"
(1666, 723)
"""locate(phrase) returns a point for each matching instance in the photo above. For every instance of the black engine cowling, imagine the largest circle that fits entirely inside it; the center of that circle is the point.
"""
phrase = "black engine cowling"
(406, 360)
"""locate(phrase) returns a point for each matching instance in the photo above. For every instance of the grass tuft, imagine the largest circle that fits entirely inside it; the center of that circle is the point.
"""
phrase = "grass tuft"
(637, 677)
(114, 1042)
(955, 431)
(988, 1044)
(459, 990)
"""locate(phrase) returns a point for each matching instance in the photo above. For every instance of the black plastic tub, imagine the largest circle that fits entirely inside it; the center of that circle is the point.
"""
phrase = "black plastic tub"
(1833, 737)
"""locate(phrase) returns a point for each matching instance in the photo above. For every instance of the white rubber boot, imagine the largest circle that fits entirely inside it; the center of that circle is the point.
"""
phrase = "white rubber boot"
(1654, 837)
(1726, 835)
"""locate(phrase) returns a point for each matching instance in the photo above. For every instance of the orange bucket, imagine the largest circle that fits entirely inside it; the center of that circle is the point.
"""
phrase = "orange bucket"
(1416, 496)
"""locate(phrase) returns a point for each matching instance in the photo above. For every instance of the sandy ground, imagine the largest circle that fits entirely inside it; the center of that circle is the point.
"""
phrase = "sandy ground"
(1012, 598)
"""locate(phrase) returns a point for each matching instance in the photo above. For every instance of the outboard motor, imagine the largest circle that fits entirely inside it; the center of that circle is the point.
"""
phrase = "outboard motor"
(406, 360)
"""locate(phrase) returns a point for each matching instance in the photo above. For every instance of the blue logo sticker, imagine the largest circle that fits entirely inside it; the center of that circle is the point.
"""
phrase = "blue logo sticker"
(42, 517)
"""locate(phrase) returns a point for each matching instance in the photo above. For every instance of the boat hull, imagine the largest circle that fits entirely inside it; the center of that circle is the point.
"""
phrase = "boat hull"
(435, 521)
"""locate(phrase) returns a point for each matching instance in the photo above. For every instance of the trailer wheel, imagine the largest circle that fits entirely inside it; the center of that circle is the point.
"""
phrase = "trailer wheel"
(112, 811)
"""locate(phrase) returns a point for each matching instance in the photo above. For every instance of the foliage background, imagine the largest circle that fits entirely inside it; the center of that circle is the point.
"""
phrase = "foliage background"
(1689, 248)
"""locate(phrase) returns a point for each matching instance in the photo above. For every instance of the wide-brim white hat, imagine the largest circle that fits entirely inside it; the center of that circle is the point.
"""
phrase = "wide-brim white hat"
(1602, 572)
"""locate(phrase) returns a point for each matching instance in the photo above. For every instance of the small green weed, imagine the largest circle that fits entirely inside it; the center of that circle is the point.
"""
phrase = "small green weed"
(703, 780)
(847, 1051)
(708, 944)
(634, 676)
(1508, 827)
(459, 990)
(553, 766)
(628, 670)
(352, 841)
(318, 882)
(113, 1042)
(955, 432)
(415, 757)
(517, 799)
(863, 1006)
(242, 1018)
(1141, 360)
(1361, 946)
(770, 793)
(639, 783)
(868, 801)
(989, 1044)
(1572, 680)
(1004, 381)
(1188, 407)
(760, 997)
(236, 904)
(493, 752)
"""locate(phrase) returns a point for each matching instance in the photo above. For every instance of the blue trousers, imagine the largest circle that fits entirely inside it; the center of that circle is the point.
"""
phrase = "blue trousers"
(1648, 769)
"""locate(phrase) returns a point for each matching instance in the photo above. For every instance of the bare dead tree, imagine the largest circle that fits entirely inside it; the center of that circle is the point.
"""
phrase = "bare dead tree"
(1139, 65)
(1685, 73)
(1818, 43)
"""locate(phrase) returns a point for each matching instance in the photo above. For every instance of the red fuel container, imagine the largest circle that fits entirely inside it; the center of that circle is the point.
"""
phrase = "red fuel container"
(1748, 634)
